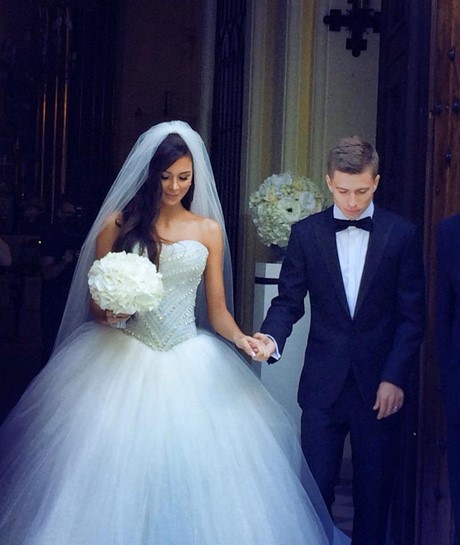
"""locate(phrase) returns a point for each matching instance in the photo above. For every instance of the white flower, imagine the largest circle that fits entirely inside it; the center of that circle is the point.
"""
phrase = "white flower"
(125, 283)
(280, 201)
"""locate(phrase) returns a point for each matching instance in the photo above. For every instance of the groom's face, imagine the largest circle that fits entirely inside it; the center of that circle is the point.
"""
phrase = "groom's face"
(352, 192)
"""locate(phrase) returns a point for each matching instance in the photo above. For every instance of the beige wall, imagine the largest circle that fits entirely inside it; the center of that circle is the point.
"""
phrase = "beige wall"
(277, 113)
(344, 87)
(303, 91)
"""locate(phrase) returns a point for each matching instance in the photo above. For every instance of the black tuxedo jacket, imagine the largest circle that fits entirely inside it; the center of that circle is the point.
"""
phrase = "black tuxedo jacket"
(448, 312)
(381, 341)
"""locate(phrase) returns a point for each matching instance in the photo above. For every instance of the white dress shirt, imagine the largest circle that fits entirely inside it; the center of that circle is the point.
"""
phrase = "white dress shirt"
(352, 247)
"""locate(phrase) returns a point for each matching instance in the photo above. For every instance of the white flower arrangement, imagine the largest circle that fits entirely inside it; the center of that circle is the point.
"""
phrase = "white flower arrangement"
(280, 201)
(125, 283)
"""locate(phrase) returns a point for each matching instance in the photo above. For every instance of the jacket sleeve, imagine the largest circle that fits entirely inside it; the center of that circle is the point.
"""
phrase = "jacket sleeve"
(410, 314)
(288, 306)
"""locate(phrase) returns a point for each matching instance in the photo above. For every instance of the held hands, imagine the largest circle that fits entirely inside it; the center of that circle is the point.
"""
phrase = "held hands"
(266, 347)
(389, 400)
(255, 348)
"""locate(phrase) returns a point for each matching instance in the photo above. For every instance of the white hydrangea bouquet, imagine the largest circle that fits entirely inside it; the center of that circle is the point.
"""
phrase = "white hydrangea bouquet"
(125, 283)
(280, 201)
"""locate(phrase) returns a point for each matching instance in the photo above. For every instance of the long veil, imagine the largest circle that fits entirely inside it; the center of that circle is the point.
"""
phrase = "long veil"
(130, 178)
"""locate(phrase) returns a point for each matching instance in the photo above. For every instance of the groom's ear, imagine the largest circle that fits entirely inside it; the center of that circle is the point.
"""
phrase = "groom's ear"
(329, 183)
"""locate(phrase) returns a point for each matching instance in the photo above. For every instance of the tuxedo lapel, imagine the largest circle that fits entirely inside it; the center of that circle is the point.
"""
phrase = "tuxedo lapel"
(378, 240)
(327, 248)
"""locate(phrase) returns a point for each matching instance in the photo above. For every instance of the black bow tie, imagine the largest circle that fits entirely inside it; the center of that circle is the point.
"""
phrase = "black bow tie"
(365, 223)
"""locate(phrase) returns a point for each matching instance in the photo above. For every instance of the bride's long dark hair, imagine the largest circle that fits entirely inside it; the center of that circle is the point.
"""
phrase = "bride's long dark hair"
(139, 217)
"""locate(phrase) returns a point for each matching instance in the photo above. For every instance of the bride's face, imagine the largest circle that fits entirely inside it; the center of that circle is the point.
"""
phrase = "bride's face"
(176, 181)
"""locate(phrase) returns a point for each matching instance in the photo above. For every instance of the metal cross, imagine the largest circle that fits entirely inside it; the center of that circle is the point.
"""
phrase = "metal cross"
(357, 20)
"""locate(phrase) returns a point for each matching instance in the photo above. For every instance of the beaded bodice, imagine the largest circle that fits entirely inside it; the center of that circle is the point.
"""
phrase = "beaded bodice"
(182, 265)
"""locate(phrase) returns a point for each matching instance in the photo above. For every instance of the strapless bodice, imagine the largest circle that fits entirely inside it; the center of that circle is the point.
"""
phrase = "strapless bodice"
(182, 265)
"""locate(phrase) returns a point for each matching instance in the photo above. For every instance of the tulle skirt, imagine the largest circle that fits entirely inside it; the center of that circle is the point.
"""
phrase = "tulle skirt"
(117, 444)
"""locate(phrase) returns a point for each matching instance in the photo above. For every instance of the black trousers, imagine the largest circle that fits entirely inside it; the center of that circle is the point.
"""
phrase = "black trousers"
(375, 454)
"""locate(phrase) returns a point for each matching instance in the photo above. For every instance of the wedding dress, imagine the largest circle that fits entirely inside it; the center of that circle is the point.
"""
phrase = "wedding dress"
(156, 434)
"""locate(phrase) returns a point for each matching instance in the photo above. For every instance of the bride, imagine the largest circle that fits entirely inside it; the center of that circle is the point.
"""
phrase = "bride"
(156, 433)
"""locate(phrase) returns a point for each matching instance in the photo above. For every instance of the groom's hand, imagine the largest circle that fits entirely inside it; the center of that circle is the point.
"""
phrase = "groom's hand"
(389, 399)
(266, 347)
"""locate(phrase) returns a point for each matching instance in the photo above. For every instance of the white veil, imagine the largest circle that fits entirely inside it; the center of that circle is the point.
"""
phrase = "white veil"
(130, 178)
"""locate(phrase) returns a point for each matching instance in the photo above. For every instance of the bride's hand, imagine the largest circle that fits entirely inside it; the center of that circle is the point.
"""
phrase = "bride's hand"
(114, 319)
(247, 344)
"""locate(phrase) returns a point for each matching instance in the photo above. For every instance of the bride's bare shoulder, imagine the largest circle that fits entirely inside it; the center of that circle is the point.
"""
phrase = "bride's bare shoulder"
(208, 226)
(209, 231)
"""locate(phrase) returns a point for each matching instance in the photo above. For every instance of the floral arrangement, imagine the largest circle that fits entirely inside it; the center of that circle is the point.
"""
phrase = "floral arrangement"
(280, 201)
(125, 283)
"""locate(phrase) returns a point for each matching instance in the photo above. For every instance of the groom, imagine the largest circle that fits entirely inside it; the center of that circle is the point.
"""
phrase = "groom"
(362, 268)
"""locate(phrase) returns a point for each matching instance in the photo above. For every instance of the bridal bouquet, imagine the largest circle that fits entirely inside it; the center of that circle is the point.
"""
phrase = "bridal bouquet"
(125, 283)
(280, 201)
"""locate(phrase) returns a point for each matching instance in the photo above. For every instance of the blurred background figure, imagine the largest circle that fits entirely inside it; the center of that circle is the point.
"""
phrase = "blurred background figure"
(31, 220)
(59, 250)
(29, 227)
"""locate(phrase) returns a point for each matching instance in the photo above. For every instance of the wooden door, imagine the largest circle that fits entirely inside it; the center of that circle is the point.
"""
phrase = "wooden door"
(442, 199)
(401, 142)
(402, 105)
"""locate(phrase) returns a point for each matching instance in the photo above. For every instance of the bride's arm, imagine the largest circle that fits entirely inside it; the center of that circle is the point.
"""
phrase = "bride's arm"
(219, 316)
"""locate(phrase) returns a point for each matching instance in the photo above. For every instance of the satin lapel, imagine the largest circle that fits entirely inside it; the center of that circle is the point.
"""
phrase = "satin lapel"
(378, 241)
(326, 240)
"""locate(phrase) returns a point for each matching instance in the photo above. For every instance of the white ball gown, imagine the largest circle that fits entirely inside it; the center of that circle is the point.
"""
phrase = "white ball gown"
(158, 434)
